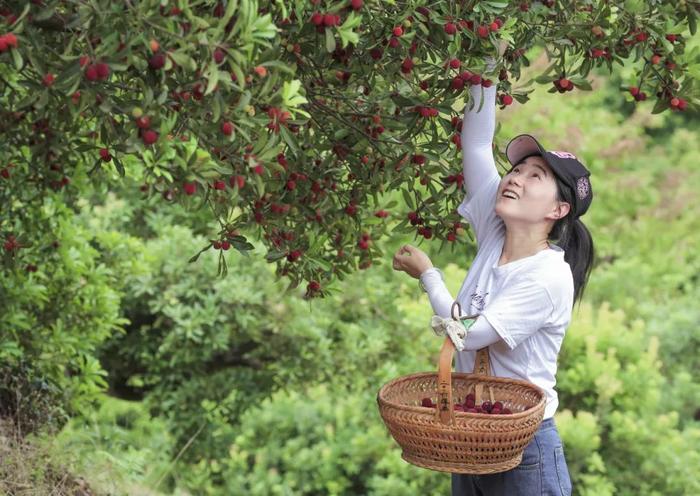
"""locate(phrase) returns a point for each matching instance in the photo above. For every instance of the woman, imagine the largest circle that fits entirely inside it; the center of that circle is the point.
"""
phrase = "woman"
(533, 261)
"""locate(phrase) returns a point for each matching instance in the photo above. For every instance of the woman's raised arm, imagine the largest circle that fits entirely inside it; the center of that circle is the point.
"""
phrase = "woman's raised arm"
(478, 128)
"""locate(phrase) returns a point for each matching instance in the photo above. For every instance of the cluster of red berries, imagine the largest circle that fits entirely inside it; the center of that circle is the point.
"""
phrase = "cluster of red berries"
(563, 85)
(466, 77)
(7, 41)
(469, 406)
(98, 71)
(322, 21)
(11, 244)
(148, 135)
(427, 112)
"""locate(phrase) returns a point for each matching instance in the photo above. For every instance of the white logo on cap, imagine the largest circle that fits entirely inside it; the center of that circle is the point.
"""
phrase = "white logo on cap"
(583, 187)
(564, 155)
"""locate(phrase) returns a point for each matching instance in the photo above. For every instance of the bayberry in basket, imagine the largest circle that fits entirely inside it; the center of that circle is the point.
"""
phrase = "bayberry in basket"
(486, 406)
(428, 403)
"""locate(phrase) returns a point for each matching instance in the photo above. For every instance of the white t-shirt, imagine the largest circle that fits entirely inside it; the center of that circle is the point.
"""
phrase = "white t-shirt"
(528, 302)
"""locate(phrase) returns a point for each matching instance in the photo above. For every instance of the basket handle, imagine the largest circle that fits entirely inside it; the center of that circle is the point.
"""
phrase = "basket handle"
(445, 412)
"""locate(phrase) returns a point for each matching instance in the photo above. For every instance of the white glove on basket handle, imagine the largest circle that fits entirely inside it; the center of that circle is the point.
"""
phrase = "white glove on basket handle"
(455, 327)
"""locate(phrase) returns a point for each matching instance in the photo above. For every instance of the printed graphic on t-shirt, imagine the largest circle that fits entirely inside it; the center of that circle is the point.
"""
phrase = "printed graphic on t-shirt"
(478, 299)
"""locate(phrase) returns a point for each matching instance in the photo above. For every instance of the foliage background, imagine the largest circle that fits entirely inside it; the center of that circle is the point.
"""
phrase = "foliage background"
(158, 377)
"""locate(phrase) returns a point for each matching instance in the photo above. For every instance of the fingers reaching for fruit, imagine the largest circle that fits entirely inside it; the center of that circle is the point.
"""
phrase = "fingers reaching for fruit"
(411, 260)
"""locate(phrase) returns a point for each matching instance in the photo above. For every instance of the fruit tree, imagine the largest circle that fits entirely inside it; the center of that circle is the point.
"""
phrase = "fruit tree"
(291, 121)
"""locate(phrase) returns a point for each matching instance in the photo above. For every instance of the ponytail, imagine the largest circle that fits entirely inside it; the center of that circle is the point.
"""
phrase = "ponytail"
(572, 236)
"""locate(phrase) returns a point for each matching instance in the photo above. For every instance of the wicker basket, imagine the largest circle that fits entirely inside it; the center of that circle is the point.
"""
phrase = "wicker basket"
(459, 442)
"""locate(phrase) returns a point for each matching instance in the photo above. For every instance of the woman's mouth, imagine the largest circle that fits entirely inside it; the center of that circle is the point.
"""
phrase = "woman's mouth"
(509, 193)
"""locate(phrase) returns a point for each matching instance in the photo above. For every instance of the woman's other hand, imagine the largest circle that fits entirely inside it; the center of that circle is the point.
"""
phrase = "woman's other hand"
(412, 261)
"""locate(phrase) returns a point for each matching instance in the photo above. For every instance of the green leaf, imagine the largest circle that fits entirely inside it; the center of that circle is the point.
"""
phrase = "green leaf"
(330, 41)
(17, 59)
(408, 199)
(273, 256)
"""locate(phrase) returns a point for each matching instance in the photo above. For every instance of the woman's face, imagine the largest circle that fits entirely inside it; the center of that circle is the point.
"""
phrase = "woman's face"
(528, 193)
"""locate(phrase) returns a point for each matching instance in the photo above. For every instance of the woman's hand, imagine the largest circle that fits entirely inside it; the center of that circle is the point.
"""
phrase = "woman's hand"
(412, 261)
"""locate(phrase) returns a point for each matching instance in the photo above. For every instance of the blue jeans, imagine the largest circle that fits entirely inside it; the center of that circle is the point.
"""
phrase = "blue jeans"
(543, 471)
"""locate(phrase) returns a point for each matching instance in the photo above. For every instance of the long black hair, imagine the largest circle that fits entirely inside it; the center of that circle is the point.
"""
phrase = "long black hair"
(572, 236)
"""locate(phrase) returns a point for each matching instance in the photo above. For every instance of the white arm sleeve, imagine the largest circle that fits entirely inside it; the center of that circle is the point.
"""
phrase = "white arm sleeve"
(478, 128)
(480, 334)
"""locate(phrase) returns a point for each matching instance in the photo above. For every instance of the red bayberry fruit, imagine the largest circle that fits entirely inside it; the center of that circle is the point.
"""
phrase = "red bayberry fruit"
(48, 79)
(482, 31)
(189, 188)
(450, 28)
(102, 70)
(455, 63)
(219, 185)
(317, 19)
(329, 20)
(157, 61)
(143, 122)
(506, 99)
(219, 55)
(397, 31)
(427, 402)
(104, 155)
(356, 4)
(149, 137)
(227, 128)
(91, 73)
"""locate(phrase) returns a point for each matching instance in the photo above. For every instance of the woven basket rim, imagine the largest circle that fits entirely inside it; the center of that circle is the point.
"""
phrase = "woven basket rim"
(381, 395)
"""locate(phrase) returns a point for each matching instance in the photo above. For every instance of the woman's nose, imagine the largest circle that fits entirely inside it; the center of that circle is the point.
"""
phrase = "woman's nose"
(512, 179)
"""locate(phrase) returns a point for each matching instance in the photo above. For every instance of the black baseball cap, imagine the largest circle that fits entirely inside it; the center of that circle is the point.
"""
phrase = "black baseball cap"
(565, 166)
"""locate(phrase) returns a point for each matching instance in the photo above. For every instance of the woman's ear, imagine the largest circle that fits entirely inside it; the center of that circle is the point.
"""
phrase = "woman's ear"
(561, 209)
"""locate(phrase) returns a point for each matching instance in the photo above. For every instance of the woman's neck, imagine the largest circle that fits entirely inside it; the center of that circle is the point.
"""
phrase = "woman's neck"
(521, 244)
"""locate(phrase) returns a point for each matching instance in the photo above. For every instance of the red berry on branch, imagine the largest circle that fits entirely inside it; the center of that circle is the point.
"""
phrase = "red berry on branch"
(189, 188)
(105, 155)
(294, 255)
(455, 63)
(450, 28)
(149, 137)
(317, 19)
(219, 185)
(143, 122)
(219, 55)
(227, 128)
(494, 26)
(48, 80)
(356, 4)
(506, 99)
(157, 61)
(329, 20)
(482, 31)
(91, 73)
(672, 37)
(397, 31)
(102, 70)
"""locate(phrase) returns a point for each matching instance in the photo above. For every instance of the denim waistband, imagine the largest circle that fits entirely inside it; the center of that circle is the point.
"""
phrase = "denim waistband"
(547, 424)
